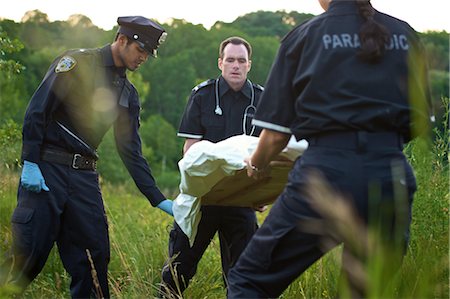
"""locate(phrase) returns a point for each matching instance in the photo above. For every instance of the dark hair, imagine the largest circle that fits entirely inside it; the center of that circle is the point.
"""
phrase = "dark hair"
(373, 35)
(129, 40)
(235, 40)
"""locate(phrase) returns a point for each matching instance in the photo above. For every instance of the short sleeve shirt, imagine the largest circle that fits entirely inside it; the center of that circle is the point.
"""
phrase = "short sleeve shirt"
(318, 84)
(201, 119)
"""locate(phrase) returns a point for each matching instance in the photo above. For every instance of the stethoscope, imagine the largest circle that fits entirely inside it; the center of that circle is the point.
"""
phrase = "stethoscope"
(249, 108)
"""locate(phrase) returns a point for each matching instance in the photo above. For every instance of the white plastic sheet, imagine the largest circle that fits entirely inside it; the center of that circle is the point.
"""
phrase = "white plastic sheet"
(205, 164)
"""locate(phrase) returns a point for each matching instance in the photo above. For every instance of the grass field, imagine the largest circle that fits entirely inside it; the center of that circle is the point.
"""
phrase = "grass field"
(139, 235)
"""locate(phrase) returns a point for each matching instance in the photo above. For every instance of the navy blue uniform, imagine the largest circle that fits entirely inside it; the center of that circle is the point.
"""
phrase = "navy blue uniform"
(82, 95)
(235, 225)
(355, 116)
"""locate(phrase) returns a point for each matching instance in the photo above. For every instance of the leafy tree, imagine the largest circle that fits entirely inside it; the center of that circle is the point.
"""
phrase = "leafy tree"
(10, 70)
(80, 20)
(110, 166)
(8, 46)
(12, 98)
(36, 30)
(142, 86)
(35, 16)
(170, 86)
(266, 23)
(159, 135)
(264, 50)
(437, 47)
(181, 36)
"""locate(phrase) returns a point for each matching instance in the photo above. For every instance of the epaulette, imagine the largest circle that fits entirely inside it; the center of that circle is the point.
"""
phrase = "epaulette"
(257, 86)
(203, 84)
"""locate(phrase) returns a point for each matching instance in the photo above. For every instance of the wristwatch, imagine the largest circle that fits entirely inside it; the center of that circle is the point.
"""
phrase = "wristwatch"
(254, 168)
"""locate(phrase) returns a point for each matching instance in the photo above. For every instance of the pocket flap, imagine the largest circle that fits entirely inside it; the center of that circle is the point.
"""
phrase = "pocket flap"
(22, 215)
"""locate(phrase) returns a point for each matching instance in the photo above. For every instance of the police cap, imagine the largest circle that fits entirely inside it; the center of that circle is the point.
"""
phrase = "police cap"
(147, 33)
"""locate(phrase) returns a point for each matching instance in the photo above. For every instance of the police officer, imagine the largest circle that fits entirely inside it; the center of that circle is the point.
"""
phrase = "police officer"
(352, 81)
(83, 94)
(217, 109)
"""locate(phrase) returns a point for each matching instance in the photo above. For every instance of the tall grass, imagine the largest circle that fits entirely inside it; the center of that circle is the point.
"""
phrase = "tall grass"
(139, 236)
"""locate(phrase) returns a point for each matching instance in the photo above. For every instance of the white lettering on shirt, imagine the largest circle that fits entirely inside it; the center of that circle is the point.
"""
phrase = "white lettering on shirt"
(347, 40)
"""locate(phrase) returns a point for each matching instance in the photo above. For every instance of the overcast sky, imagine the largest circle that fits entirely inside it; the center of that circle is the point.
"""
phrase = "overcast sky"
(421, 15)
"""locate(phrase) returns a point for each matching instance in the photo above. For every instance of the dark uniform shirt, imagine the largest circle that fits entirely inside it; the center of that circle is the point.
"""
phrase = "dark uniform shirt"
(73, 109)
(200, 121)
(318, 83)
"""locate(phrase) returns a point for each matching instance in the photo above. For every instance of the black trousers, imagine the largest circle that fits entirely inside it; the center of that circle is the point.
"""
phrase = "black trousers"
(235, 226)
(373, 178)
(72, 215)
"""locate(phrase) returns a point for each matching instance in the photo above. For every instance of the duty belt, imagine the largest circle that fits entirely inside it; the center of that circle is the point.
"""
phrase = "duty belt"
(360, 141)
(76, 161)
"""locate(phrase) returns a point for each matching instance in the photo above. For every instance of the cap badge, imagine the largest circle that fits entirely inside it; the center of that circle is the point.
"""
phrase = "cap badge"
(135, 36)
(65, 64)
(162, 38)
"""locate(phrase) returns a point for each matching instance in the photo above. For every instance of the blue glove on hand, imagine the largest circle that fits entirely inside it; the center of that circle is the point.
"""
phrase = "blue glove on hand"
(166, 206)
(32, 179)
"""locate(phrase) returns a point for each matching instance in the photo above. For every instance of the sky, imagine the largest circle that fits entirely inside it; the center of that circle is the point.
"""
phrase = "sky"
(421, 15)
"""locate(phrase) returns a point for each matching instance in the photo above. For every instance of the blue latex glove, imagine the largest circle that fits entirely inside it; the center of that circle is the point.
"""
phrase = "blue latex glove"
(32, 178)
(166, 206)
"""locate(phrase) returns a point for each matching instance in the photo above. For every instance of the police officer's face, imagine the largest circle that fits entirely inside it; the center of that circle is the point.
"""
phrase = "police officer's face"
(235, 65)
(132, 55)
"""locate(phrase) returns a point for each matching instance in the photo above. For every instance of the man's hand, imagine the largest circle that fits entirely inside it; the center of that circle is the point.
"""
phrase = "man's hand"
(166, 206)
(260, 208)
(254, 172)
(32, 178)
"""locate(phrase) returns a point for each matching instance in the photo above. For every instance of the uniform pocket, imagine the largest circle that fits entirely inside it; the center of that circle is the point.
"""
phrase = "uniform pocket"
(22, 228)
(173, 238)
(22, 215)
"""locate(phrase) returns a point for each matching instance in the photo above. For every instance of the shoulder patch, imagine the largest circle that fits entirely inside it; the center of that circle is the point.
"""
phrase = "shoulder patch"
(257, 86)
(65, 64)
(203, 84)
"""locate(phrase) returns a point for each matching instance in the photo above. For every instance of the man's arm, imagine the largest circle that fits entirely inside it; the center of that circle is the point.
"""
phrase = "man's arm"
(188, 143)
(129, 146)
(270, 144)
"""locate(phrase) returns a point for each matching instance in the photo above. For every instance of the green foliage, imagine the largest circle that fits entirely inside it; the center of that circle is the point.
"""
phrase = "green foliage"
(143, 87)
(439, 84)
(437, 47)
(264, 50)
(10, 144)
(8, 46)
(440, 90)
(110, 166)
(430, 227)
(265, 23)
(12, 95)
(169, 181)
(158, 134)
(166, 98)
(10, 70)
(78, 32)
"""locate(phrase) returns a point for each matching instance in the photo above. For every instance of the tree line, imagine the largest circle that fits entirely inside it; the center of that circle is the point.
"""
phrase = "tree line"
(188, 57)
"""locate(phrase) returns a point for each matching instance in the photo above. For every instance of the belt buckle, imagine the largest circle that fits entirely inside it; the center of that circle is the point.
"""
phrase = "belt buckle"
(74, 161)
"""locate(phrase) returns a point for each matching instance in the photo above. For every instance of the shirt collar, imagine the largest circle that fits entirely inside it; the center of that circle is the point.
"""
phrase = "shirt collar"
(342, 7)
(224, 87)
(108, 60)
